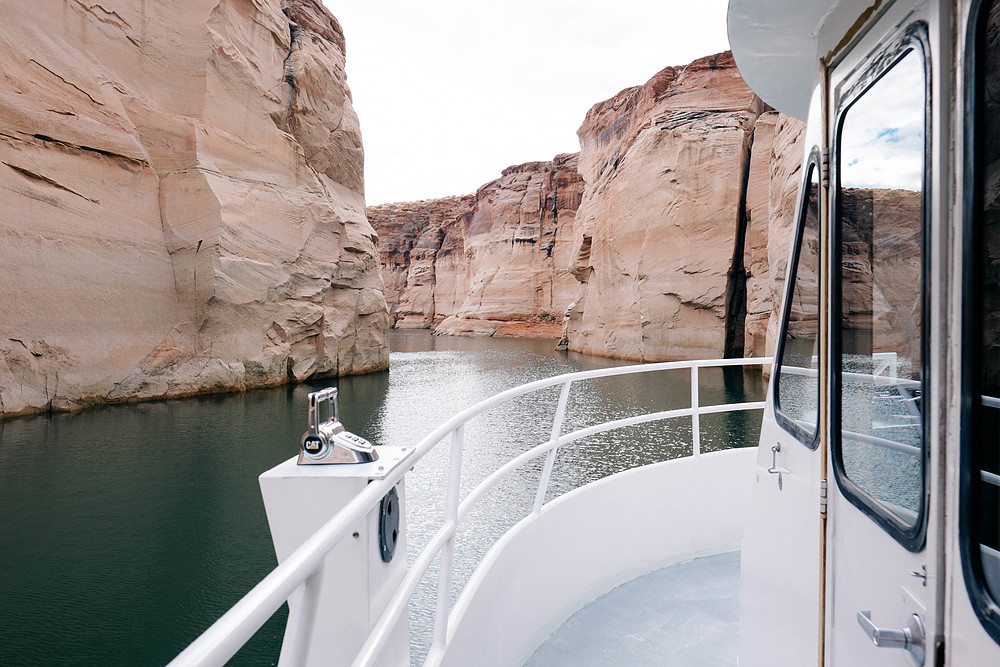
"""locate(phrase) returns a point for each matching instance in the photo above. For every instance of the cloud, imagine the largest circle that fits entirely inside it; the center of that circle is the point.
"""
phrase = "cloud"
(882, 141)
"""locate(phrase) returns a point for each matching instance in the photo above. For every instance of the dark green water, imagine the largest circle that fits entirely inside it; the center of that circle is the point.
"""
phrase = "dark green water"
(126, 531)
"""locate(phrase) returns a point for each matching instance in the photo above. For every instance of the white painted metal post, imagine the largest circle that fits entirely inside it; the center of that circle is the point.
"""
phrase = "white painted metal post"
(448, 552)
(557, 422)
(695, 422)
(295, 647)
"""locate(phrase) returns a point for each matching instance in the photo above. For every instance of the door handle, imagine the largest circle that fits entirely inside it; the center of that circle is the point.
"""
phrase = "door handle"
(910, 638)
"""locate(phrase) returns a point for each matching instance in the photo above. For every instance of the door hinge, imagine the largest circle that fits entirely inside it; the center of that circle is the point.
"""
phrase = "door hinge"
(939, 654)
(822, 496)
(824, 168)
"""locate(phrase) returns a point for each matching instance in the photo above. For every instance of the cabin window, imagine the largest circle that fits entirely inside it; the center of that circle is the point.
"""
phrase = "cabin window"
(981, 437)
(879, 379)
(797, 375)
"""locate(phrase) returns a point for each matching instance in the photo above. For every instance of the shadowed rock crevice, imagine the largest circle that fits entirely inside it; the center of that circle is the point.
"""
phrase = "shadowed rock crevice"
(27, 173)
(289, 77)
(736, 280)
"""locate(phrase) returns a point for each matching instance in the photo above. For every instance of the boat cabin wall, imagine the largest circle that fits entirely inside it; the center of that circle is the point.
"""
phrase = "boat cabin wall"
(793, 613)
(780, 560)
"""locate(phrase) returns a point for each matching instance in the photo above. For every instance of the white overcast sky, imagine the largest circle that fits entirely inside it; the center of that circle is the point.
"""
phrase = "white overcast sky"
(450, 92)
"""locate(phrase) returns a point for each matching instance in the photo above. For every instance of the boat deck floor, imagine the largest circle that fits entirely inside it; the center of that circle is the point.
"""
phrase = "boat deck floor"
(684, 615)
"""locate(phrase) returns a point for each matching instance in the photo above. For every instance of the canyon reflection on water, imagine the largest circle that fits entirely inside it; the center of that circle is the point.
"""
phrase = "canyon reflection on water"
(126, 530)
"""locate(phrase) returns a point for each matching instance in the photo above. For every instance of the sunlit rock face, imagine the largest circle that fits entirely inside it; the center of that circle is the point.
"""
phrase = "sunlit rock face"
(183, 194)
(517, 244)
(496, 263)
(660, 236)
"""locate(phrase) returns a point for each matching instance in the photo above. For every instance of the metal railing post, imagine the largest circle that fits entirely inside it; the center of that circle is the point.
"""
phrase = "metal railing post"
(557, 422)
(448, 552)
(297, 652)
(695, 417)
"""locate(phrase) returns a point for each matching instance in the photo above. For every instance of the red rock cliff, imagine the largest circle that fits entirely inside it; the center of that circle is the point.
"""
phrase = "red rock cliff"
(479, 263)
(422, 252)
(183, 202)
(661, 232)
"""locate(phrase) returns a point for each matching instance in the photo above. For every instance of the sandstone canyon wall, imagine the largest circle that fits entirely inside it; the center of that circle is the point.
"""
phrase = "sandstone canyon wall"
(182, 195)
(660, 239)
(880, 235)
(422, 255)
(668, 233)
(493, 263)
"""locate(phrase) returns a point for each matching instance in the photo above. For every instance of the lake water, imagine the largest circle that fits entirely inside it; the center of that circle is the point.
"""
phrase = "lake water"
(125, 531)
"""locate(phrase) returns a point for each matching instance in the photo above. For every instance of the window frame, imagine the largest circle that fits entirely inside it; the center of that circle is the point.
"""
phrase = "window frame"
(986, 607)
(813, 164)
(913, 38)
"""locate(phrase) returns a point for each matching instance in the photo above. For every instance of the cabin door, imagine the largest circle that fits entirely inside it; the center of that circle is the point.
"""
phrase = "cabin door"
(882, 540)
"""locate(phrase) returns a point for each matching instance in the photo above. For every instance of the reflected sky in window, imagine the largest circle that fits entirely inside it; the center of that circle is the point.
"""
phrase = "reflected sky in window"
(884, 131)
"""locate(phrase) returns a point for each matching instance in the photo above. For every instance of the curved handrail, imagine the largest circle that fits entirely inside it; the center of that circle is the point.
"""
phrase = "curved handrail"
(230, 632)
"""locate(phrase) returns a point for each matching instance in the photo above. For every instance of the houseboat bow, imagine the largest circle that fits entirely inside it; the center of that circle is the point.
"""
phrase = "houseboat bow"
(868, 518)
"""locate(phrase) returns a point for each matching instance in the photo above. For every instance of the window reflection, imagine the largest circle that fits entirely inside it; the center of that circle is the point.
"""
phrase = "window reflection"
(798, 381)
(880, 218)
(986, 439)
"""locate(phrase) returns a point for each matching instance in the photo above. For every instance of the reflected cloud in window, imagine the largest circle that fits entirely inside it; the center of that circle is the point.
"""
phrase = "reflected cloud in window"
(884, 134)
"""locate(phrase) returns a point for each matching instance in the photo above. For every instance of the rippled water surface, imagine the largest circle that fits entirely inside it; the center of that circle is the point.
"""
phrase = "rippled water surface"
(125, 531)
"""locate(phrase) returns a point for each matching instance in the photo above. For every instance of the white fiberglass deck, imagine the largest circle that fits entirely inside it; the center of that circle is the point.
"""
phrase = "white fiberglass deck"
(685, 615)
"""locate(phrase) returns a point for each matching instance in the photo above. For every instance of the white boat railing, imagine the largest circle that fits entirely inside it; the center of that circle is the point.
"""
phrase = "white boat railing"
(303, 568)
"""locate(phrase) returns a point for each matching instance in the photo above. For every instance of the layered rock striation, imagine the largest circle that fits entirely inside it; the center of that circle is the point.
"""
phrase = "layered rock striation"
(183, 203)
(493, 263)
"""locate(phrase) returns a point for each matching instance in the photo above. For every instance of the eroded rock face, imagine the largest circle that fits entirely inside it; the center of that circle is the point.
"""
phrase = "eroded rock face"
(517, 243)
(476, 264)
(183, 196)
(660, 237)
(422, 254)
